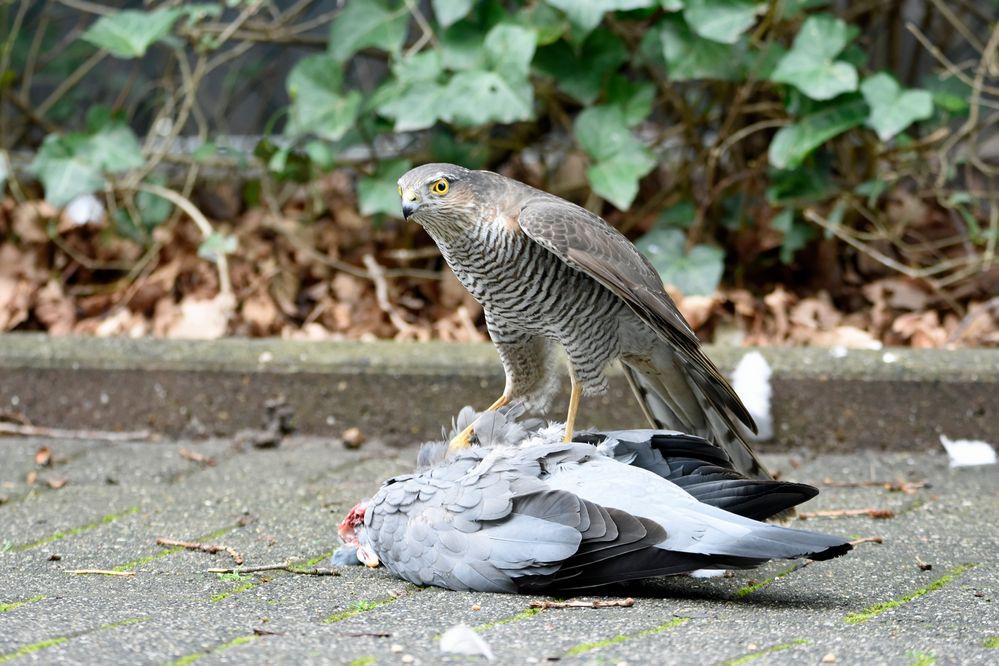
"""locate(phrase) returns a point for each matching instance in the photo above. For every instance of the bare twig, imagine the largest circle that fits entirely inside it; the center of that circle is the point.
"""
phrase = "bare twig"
(845, 513)
(596, 603)
(280, 566)
(210, 548)
(406, 330)
(907, 487)
(870, 539)
(100, 572)
(194, 456)
(61, 433)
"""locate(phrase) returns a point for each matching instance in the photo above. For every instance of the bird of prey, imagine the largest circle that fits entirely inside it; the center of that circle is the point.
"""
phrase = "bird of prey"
(546, 272)
(527, 512)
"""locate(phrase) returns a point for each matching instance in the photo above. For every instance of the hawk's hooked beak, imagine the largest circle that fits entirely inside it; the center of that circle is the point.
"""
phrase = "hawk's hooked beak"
(410, 202)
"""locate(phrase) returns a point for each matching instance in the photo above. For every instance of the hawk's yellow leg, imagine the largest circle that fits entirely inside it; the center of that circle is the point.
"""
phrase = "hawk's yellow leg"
(570, 419)
(463, 439)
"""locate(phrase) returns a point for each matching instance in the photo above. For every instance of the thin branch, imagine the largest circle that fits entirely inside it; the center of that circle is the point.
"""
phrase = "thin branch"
(61, 433)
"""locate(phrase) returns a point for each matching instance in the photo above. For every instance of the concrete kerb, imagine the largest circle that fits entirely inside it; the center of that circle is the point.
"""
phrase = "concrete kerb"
(897, 399)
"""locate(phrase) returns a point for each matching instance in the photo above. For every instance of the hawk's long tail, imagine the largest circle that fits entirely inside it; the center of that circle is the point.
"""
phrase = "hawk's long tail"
(675, 395)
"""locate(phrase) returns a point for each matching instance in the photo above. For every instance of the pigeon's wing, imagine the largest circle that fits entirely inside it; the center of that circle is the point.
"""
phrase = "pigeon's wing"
(691, 526)
(703, 470)
(588, 244)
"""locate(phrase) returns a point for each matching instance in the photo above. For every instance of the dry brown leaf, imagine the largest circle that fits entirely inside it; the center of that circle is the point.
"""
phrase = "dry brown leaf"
(198, 319)
(697, 310)
(43, 456)
(55, 484)
(260, 313)
(779, 301)
(54, 309)
(15, 301)
(30, 220)
(845, 336)
(922, 329)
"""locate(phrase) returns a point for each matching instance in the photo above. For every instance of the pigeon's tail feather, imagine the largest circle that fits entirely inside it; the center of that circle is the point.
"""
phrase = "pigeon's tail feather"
(676, 395)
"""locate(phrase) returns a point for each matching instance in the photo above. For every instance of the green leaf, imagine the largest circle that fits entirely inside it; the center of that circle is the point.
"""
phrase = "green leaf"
(721, 20)
(635, 99)
(216, 245)
(318, 105)
(694, 273)
(478, 97)
(671, 5)
(893, 109)
(450, 11)
(949, 92)
(796, 233)
(129, 33)
(582, 73)
(620, 159)
(368, 23)
(809, 65)
(64, 171)
(793, 143)
(73, 164)
(689, 56)
(680, 215)
(509, 50)
(585, 15)
(413, 98)
(378, 193)
(805, 184)
(548, 23)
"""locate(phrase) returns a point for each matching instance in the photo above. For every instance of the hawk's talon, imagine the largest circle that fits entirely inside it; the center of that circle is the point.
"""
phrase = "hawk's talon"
(462, 440)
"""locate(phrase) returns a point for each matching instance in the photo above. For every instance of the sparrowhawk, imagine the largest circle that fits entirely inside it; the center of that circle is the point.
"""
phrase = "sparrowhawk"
(547, 271)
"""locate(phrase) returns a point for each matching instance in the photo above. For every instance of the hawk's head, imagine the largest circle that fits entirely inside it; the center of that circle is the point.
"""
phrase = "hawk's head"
(439, 193)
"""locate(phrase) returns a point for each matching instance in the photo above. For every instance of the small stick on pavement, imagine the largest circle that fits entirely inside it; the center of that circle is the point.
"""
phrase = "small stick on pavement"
(210, 548)
(907, 487)
(194, 456)
(843, 513)
(60, 433)
(871, 539)
(101, 572)
(596, 603)
(279, 566)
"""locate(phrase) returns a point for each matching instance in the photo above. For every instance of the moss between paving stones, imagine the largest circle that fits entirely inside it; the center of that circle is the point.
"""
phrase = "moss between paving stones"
(32, 648)
(753, 656)
(4, 608)
(880, 607)
(62, 534)
(621, 638)
(218, 649)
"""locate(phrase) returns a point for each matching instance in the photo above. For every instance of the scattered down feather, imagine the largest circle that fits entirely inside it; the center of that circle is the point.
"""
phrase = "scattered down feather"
(523, 511)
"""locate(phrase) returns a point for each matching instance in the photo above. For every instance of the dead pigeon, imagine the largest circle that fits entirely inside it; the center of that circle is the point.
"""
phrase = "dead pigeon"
(525, 512)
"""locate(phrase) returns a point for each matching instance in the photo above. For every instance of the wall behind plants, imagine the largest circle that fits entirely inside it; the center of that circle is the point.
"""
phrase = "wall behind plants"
(733, 138)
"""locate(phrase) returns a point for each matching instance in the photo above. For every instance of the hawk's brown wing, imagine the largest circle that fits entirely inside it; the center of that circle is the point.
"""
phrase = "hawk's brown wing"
(587, 243)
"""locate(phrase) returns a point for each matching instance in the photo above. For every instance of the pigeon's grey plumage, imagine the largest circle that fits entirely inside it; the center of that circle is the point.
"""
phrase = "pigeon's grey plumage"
(526, 512)
(548, 272)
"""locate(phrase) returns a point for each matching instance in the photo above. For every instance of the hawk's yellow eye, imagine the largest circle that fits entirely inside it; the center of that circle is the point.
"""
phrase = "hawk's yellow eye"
(440, 187)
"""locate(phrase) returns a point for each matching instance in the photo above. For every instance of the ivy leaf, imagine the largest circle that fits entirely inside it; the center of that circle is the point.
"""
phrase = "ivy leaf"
(450, 11)
(362, 24)
(671, 5)
(689, 56)
(810, 66)
(4, 169)
(478, 97)
(216, 245)
(75, 163)
(796, 233)
(318, 105)
(413, 98)
(634, 99)
(585, 15)
(582, 73)
(378, 193)
(694, 273)
(721, 20)
(64, 170)
(502, 91)
(128, 34)
(949, 92)
(893, 109)
(620, 159)
(793, 143)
